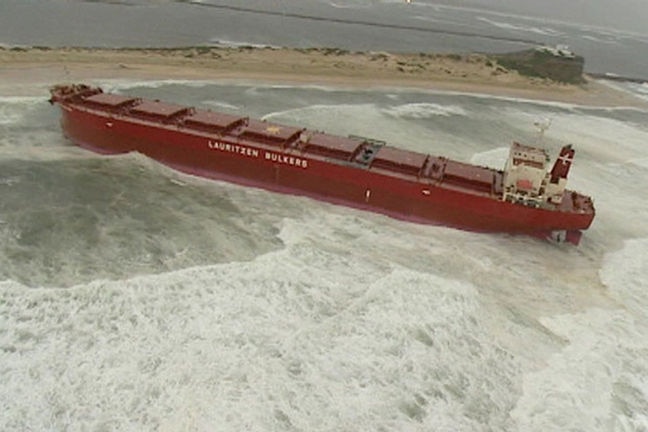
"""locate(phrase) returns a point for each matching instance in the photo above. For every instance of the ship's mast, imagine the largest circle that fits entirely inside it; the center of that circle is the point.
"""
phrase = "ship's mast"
(542, 125)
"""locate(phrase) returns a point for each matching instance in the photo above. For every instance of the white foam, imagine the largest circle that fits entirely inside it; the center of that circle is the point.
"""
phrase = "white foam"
(354, 5)
(303, 336)
(117, 85)
(14, 108)
(426, 18)
(638, 90)
(352, 323)
(625, 273)
(495, 158)
(9, 181)
(642, 162)
(600, 40)
(7, 118)
(239, 44)
(336, 330)
(486, 96)
(589, 384)
(221, 105)
(249, 86)
(599, 378)
(424, 110)
(31, 100)
(545, 31)
(334, 118)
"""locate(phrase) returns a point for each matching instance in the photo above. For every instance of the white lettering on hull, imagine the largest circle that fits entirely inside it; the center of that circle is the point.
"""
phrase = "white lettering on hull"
(252, 152)
(233, 148)
(285, 159)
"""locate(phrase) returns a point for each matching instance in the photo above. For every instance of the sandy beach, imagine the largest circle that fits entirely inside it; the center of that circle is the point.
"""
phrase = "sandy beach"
(474, 73)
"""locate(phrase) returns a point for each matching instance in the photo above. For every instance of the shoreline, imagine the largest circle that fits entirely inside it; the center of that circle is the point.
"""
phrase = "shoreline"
(21, 68)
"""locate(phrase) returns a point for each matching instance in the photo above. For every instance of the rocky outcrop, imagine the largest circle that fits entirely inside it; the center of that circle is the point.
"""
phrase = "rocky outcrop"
(548, 63)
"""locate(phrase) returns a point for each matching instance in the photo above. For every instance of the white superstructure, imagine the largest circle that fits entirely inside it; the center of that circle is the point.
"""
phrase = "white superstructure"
(526, 179)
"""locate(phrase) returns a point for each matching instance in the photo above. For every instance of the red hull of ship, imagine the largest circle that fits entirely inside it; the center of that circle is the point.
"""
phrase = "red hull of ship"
(395, 182)
(399, 198)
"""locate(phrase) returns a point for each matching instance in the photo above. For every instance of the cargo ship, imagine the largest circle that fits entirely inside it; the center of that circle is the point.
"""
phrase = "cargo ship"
(525, 197)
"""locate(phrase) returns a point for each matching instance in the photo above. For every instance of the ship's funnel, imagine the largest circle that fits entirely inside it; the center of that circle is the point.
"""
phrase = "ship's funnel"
(563, 164)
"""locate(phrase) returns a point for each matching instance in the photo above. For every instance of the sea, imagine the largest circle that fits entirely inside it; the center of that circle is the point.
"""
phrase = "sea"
(137, 298)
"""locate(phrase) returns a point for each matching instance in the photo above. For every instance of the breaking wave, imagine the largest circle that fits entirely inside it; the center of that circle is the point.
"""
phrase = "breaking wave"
(624, 272)
(118, 85)
(495, 158)
(332, 118)
(14, 108)
(598, 377)
(221, 105)
(600, 40)
(545, 31)
(314, 327)
(239, 44)
(424, 110)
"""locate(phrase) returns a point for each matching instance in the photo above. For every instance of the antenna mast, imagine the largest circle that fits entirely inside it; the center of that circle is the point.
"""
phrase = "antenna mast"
(542, 126)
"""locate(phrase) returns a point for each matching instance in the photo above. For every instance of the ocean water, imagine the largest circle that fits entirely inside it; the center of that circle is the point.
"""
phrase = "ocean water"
(135, 298)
